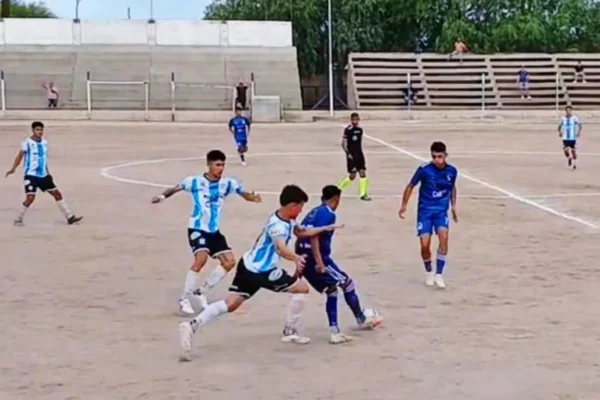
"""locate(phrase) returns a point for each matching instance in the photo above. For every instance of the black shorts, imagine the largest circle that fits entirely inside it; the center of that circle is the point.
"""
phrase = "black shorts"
(33, 183)
(247, 283)
(356, 163)
(214, 243)
(569, 144)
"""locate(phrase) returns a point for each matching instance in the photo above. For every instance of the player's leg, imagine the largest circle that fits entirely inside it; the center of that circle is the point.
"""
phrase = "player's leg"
(242, 148)
(441, 224)
(219, 249)
(424, 231)
(351, 169)
(567, 153)
(361, 166)
(574, 154)
(47, 185)
(299, 289)
(31, 184)
(198, 243)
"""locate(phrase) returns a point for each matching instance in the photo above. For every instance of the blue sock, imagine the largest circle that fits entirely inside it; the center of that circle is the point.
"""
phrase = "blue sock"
(331, 308)
(427, 264)
(440, 263)
(354, 302)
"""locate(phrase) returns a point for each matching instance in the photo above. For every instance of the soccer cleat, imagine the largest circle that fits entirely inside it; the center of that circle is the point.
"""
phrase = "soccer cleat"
(244, 163)
(570, 162)
(439, 281)
(291, 335)
(18, 222)
(186, 336)
(185, 307)
(339, 338)
(429, 279)
(73, 219)
(365, 198)
(371, 322)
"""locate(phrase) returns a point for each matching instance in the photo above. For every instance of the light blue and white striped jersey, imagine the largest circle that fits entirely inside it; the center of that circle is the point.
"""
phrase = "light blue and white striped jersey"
(262, 257)
(36, 157)
(208, 197)
(570, 127)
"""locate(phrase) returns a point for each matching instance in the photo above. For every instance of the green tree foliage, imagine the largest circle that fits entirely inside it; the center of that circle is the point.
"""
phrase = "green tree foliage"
(20, 9)
(487, 26)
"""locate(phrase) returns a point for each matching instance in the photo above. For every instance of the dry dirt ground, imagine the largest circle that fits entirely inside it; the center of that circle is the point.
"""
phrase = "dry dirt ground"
(89, 311)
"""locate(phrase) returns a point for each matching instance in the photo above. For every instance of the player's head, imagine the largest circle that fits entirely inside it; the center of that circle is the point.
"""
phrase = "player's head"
(238, 110)
(215, 159)
(331, 195)
(354, 118)
(292, 199)
(568, 111)
(438, 153)
(37, 128)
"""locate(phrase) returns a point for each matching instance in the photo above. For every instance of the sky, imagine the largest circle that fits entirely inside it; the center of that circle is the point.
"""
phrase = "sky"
(140, 9)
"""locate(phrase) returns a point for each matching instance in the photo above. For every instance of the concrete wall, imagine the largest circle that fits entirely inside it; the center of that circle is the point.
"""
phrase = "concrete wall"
(17, 31)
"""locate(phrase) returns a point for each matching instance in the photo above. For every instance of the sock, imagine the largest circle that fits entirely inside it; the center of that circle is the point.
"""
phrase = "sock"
(344, 183)
(214, 278)
(331, 309)
(190, 283)
(64, 208)
(294, 310)
(440, 263)
(210, 313)
(243, 157)
(427, 264)
(22, 212)
(353, 302)
(364, 186)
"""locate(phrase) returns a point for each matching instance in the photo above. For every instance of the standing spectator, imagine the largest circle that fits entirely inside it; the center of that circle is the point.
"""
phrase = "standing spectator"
(579, 73)
(241, 90)
(460, 48)
(410, 94)
(51, 94)
(523, 81)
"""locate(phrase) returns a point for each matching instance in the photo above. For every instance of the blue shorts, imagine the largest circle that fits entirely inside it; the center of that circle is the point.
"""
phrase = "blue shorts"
(241, 142)
(427, 222)
(333, 276)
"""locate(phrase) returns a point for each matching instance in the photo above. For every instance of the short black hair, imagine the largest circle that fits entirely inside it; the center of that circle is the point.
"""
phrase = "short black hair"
(568, 107)
(438, 147)
(215, 155)
(292, 194)
(329, 192)
(37, 124)
(354, 115)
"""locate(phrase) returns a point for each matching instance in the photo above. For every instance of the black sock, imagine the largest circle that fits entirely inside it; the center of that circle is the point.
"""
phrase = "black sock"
(243, 157)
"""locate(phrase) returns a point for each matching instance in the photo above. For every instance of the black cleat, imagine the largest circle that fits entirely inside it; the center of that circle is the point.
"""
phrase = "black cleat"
(570, 162)
(365, 198)
(74, 219)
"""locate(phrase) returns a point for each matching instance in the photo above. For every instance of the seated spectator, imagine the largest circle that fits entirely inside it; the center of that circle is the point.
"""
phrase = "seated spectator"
(51, 94)
(460, 48)
(410, 94)
(241, 90)
(523, 81)
(579, 73)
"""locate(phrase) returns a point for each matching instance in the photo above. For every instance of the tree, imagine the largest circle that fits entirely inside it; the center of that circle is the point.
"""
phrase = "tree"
(20, 9)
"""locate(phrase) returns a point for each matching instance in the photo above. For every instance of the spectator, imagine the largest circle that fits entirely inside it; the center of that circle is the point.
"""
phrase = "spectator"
(241, 90)
(523, 81)
(460, 48)
(410, 94)
(579, 73)
(51, 94)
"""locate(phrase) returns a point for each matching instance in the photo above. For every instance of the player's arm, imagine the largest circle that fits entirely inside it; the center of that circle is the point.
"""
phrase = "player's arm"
(248, 123)
(166, 194)
(560, 125)
(303, 232)
(237, 187)
(251, 197)
(453, 198)
(321, 219)
(16, 163)
(345, 142)
(277, 234)
(414, 181)
(579, 127)
(231, 127)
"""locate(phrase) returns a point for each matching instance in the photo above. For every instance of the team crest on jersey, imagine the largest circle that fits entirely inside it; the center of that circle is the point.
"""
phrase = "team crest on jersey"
(275, 274)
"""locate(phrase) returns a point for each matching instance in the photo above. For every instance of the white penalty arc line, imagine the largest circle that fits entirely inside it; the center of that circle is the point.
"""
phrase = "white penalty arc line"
(490, 186)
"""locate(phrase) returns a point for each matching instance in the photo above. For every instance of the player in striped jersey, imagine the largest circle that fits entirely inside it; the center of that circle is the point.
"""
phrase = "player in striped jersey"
(208, 193)
(569, 129)
(34, 150)
(258, 269)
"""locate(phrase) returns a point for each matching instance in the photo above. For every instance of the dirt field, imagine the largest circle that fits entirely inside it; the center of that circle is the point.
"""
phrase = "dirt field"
(89, 311)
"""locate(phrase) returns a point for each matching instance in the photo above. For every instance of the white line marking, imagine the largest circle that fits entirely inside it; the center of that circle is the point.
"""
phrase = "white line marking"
(490, 186)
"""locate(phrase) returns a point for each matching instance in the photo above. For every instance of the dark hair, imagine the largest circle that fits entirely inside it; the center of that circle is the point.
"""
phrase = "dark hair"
(354, 115)
(438, 147)
(292, 194)
(329, 192)
(238, 108)
(37, 124)
(568, 108)
(215, 155)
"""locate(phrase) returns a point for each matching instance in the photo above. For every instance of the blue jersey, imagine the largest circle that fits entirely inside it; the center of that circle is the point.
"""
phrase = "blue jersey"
(240, 126)
(318, 217)
(436, 187)
(523, 76)
(36, 157)
(570, 127)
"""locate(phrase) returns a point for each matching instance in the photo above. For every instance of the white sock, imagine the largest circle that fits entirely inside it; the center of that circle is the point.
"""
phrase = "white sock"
(22, 212)
(214, 278)
(190, 283)
(64, 208)
(294, 310)
(210, 313)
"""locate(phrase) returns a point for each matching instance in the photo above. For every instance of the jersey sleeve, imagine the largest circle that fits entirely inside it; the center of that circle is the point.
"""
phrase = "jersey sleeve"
(187, 184)
(323, 218)
(277, 230)
(24, 147)
(247, 121)
(234, 186)
(230, 123)
(418, 176)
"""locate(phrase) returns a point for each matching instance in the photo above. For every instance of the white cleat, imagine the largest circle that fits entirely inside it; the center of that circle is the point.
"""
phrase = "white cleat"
(291, 335)
(244, 163)
(185, 307)
(429, 278)
(202, 299)
(439, 281)
(339, 338)
(371, 322)
(186, 335)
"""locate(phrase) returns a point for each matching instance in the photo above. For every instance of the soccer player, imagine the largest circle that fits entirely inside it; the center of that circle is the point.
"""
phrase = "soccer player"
(569, 130)
(37, 176)
(240, 128)
(436, 194)
(208, 193)
(258, 269)
(323, 273)
(355, 158)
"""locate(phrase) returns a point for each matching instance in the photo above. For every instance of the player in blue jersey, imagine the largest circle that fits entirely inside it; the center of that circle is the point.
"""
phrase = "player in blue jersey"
(322, 272)
(436, 194)
(240, 128)
(258, 269)
(569, 129)
(208, 192)
(37, 175)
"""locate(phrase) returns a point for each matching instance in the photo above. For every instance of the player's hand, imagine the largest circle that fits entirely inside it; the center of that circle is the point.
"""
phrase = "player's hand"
(320, 268)
(158, 199)
(300, 262)
(9, 173)
(254, 197)
(333, 227)
(454, 215)
(401, 212)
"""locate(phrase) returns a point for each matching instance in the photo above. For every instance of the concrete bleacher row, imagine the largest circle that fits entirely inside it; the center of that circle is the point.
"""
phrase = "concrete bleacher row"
(378, 80)
(26, 68)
